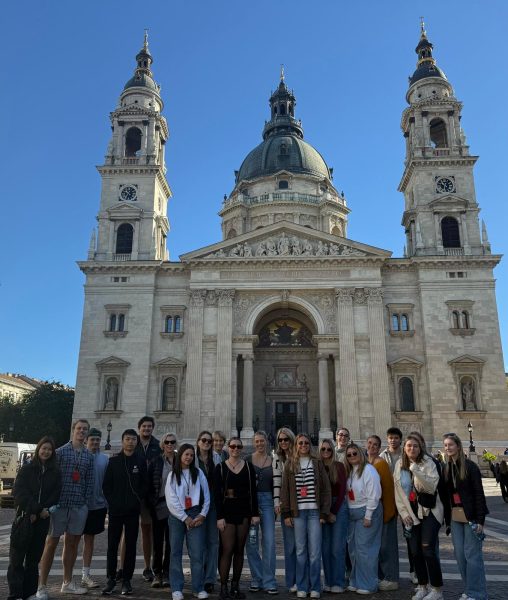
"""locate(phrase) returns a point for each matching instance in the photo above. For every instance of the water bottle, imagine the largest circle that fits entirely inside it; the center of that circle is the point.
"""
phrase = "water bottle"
(253, 535)
(479, 534)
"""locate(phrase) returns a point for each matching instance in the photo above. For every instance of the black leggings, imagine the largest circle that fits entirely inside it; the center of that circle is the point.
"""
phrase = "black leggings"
(233, 540)
(422, 544)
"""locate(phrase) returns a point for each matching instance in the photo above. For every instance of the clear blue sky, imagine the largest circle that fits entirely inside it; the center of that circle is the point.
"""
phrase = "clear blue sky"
(64, 65)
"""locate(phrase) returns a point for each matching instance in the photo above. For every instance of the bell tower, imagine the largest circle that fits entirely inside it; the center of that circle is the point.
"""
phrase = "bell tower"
(441, 211)
(132, 219)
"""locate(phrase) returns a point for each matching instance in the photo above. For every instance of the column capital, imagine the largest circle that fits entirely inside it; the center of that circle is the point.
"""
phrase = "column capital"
(344, 294)
(322, 356)
(197, 297)
(248, 357)
(374, 295)
(226, 297)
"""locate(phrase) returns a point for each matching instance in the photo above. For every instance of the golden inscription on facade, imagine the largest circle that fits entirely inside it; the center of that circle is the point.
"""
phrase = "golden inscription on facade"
(286, 274)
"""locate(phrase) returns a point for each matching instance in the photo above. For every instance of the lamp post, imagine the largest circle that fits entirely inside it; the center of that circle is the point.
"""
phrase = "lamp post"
(471, 443)
(109, 427)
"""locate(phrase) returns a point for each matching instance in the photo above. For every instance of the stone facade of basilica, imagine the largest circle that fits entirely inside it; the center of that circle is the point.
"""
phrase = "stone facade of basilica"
(286, 321)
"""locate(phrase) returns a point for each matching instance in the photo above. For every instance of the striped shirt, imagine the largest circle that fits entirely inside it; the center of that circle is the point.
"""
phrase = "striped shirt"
(305, 485)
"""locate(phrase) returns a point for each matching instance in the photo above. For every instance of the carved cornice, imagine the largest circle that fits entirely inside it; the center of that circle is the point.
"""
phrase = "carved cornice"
(130, 266)
(446, 161)
(359, 295)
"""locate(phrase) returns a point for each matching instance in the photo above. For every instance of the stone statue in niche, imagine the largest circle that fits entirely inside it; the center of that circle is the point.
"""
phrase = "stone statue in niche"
(111, 394)
(468, 394)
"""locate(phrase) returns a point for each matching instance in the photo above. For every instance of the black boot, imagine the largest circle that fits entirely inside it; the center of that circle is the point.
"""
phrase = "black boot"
(224, 592)
(110, 586)
(235, 591)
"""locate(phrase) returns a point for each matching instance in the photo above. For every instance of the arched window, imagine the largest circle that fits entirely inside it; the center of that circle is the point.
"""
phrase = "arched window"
(169, 394)
(450, 232)
(282, 109)
(455, 319)
(112, 322)
(178, 324)
(438, 137)
(168, 327)
(124, 236)
(407, 399)
(274, 110)
(283, 149)
(465, 319)
(121, 322)
(132, 142)
(395, 323)
(404, 323)
(283, 185)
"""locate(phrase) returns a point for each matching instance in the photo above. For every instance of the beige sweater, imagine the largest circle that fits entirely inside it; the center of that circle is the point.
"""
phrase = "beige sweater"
(426, 478)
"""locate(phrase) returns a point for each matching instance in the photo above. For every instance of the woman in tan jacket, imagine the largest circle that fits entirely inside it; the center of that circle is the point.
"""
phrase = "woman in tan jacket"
(421, 510)
(305, 504)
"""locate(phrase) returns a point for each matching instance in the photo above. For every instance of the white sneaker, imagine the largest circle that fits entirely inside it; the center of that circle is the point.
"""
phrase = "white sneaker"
(88, 582)
(327, 588)
(293, 589)
(301, 594)
(351, 588)
(177, 596)
(69, 587)
(421, 592)
(315, 594)
(413, 577)
(201, 595)
(336, 589)
(387, 586)
(434, 595)
(42, 593)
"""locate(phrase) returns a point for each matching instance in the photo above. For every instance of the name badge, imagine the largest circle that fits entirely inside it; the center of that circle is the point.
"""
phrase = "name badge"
(303, 491)
(351, 494)
(76, 476)
(412, 496)
(456, 498)
(188, 502)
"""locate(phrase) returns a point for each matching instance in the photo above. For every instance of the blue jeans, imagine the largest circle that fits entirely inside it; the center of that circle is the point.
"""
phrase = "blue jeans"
(211, 545)
(364, 544)
(288, 538)
(263, 570)
(333, 548)
(195, 543)
(389, 552)
(469, 556)
(308, 550)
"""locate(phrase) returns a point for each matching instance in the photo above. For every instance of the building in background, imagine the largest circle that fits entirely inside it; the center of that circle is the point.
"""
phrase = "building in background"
(287, 321)
(14, 386)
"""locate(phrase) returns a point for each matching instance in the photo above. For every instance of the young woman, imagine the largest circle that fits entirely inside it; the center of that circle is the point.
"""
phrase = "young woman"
(237, 508)
(158, 473)
(334, 531)
(365, 521)
(467, 500)
(219, 441)
(263, 570)
(388, 569)
(283, 451)
(36, 489)
(416, 480)
(188, 501)
(305, 504)
(205, 457)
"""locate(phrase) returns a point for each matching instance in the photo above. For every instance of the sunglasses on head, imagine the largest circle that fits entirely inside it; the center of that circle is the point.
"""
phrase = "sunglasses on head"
(283, 440)
(168, 442)
(236, 446)
(206, 440)
(350, 454)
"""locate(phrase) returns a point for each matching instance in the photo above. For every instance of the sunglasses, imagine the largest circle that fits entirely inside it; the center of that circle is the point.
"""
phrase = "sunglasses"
(280, 440)
(236, 446)
(170, 442)
(304, 443)
(350, 454)
(325, 450)
(343, 435)
(205, 440)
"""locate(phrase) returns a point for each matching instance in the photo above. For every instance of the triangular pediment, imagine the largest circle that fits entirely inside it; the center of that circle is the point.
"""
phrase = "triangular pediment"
(169, 362)
(405, 361)
(449, 201)
(124, 210)
(112, 361)
(466, 359)
(288, 241)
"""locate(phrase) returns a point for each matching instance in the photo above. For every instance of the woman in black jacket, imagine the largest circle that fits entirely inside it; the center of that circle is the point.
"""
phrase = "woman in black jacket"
(36, 489)
(469, 509)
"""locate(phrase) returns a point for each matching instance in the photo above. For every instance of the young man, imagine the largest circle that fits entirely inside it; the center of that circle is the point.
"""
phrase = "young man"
(393, 451)
(343, 439)
(77, 468)
(97, 506)
(219, 441)
(125, 484)
(148, 447)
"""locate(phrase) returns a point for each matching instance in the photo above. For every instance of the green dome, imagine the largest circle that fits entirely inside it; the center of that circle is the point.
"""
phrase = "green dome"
(141, 80)
(283, 152)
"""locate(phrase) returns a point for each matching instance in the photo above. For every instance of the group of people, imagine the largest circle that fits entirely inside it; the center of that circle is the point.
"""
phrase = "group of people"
(338, 510)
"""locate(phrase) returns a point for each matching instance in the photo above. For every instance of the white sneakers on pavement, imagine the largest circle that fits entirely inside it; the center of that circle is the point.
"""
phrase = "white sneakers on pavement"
(88, 582)
(69, 587)
(434, 595)
(336, 589)
(177, 596)
(201, 595)
(420, 592)
(387, 586)
(42, 593)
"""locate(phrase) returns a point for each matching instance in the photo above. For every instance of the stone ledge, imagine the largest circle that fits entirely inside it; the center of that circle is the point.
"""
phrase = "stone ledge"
(462, 332)
(467, 415)
(409, 416)
(168, 413)
(106, 412)
(171, 336)
(402, 334)
(115, 334)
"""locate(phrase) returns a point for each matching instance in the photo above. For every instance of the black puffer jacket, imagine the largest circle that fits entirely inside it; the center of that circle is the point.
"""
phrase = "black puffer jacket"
(37, 487)
(125, 484)
(470, 491)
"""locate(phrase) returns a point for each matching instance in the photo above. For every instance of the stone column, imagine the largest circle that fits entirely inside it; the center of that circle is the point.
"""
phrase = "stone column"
(349, 386)
(194, 365)
(379, 371)
(439, 239)
(463, 231)
(338, 403)
(324, 398)
(223, 376)
(248, 398)
(234, 396)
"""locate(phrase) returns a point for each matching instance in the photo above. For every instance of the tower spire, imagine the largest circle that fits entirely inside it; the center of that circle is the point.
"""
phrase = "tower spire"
(282, 73)
(426, 64)
(422, 27)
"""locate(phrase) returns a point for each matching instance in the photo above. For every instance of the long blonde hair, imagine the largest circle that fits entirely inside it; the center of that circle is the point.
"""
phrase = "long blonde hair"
(281, 454)
(331, 465)
(459, 462)
(363, 461)
(295, 457)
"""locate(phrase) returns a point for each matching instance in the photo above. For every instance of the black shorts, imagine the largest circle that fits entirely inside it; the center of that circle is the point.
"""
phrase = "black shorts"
(95, 521)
